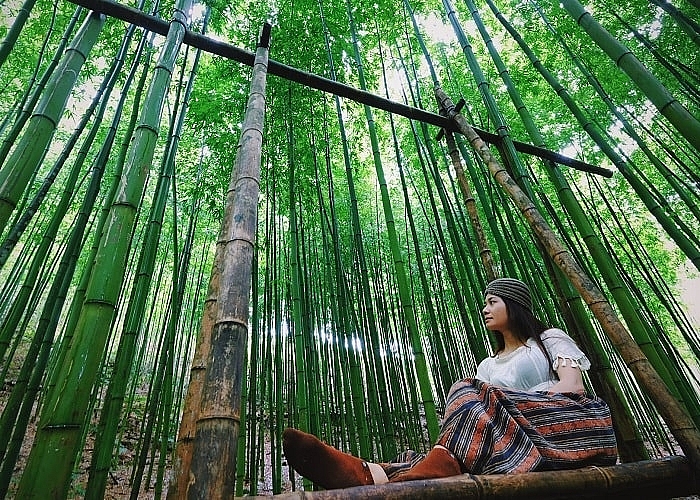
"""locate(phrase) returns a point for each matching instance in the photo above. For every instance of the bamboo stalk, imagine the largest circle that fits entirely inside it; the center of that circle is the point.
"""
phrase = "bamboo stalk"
(667, 105)
(652, 479)
(214, 457)
(678, 421)
(470, 202)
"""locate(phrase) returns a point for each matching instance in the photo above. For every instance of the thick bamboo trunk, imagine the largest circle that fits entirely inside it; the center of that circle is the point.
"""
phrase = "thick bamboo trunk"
(27, 156)
(214, 456)
(653, 479)
(678, 421)
(683, 121)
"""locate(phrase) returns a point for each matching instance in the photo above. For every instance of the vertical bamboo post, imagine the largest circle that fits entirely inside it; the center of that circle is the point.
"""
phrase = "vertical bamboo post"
(213, 467)
(678, 421)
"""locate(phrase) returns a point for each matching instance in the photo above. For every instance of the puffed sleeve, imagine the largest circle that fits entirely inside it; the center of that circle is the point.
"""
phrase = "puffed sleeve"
(563, 350)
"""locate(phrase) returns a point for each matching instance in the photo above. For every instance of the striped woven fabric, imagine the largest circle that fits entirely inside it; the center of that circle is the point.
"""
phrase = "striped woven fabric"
(494, 430)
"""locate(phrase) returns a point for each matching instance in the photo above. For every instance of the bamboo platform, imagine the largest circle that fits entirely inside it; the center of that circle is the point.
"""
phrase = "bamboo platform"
(664, 478)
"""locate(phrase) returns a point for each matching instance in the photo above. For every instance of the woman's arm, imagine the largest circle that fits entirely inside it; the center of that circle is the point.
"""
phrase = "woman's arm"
(570, 379)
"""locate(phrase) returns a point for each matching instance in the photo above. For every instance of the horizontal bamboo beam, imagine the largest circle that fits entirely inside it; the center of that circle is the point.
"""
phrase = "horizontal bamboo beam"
(199, 41)
(652, 479)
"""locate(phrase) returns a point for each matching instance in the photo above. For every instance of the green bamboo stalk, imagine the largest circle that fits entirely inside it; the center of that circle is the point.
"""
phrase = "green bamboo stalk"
(399, 266)
(31, 148)
(100, 97)
(100, 164)
(8, 42)
(20, 303)
(304, 392)
(278, 362)
(64, 419)
(136, 309)
(682, 120)
(685, 23)
(661, 166)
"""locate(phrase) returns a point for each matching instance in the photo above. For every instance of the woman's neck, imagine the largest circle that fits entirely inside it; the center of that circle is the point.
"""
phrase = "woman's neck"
(511, 342)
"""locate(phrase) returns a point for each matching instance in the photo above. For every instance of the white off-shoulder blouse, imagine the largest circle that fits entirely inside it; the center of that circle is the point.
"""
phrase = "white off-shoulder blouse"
(527, 368)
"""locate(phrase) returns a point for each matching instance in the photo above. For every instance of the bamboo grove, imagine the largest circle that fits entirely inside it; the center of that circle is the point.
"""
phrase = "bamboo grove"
(361, 246)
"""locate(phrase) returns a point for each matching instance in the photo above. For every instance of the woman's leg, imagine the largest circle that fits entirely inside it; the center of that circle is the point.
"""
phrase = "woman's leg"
(440, 462)
(331, 468)
(325, 465)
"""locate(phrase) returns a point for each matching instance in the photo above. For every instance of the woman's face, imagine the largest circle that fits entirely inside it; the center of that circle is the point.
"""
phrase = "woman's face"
(495, 313)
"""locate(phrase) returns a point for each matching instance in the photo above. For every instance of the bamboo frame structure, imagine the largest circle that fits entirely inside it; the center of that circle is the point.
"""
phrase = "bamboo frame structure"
(197, 40)
(662, 478)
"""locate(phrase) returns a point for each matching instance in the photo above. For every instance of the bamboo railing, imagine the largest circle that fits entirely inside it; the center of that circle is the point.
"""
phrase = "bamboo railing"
(649, 480)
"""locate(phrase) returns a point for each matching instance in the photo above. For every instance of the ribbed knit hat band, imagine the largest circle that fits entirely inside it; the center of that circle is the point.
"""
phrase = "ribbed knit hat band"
(510, 288)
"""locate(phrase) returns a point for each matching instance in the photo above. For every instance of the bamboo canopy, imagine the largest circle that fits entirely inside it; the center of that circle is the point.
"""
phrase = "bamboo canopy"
(342, 294)
(138, 18)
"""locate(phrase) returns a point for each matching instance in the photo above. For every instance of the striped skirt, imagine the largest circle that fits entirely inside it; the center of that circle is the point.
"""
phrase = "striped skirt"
(494, 430)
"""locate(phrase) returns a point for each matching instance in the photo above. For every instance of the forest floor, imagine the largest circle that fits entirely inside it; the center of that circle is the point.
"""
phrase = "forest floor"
(119, 480)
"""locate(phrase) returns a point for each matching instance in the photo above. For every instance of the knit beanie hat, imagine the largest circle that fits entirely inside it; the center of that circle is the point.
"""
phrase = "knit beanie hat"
(510, 288)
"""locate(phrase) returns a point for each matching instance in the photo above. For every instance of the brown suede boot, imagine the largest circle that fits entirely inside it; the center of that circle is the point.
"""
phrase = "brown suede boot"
(323, 464)
(440, 462)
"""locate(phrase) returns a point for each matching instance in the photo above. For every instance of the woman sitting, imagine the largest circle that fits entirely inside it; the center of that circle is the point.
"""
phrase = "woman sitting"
(526, 410)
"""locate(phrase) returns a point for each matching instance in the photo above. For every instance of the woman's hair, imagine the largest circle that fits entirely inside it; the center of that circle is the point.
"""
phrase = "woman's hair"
(524, 325)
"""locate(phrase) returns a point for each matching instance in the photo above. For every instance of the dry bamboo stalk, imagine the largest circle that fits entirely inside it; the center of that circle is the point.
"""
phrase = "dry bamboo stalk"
(652, 479)
(217, 407)
(470, 203)
(185, 440)
(675, 416)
